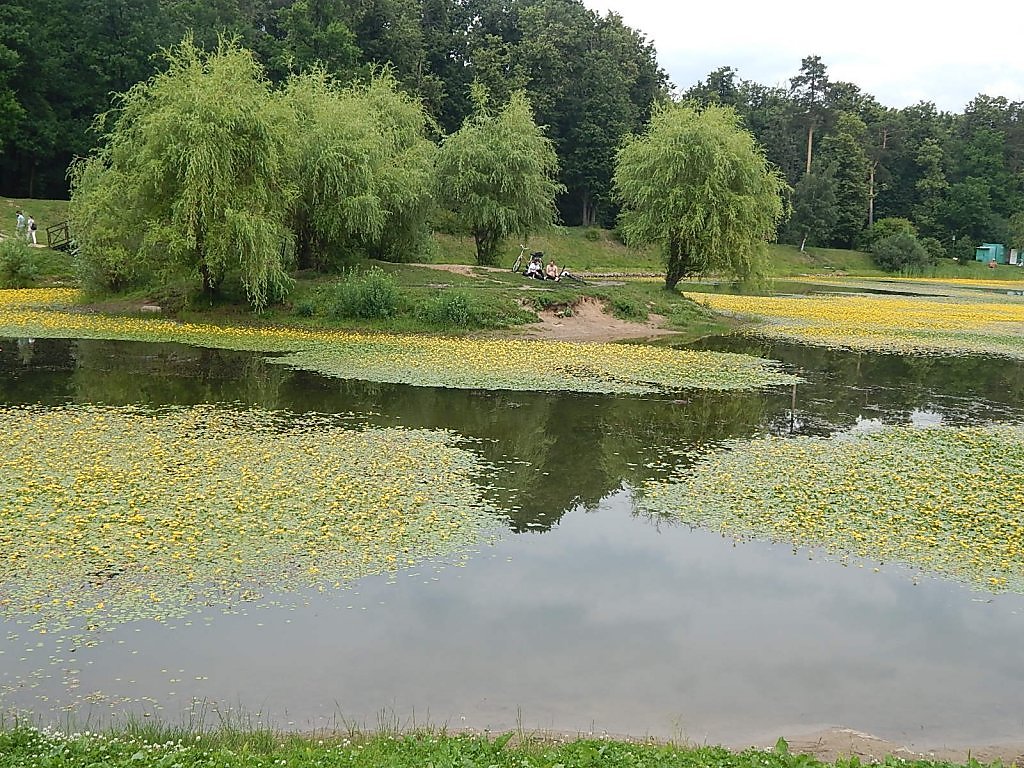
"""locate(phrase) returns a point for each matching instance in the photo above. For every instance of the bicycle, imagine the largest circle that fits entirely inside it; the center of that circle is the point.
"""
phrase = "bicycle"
(519, 259)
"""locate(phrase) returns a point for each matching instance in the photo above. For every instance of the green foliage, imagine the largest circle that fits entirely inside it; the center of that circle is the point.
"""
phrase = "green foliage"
(814, 209)
(888, 227)
(843, 155)
(19, 264)
(627, 308)
(935, 249)
(497, 173)
(1016, 227)
(191, 178)
(452, 309)
(370, 295)
(697, 184)
(316, 35)
(901, 252)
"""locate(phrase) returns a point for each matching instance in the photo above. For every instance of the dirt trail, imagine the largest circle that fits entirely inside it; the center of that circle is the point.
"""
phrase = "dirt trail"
(585, 322)
(589, 322)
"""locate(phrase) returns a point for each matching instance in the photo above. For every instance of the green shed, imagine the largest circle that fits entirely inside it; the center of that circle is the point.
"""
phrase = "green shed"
(991, 252)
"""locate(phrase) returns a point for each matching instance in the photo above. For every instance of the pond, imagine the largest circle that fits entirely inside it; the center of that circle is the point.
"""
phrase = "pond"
(578, 614)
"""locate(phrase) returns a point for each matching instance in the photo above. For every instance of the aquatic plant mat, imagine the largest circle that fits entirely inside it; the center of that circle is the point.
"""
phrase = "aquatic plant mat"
(959, 322)
(946, 500)
(109, 515)
(411, 359)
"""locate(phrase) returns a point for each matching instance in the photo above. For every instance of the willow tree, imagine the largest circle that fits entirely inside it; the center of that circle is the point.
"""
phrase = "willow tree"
(192, 176)
(497, 174)
(697, 184)
(363, 166)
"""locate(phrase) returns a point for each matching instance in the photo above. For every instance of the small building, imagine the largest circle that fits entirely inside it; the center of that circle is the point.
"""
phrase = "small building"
(987, 252)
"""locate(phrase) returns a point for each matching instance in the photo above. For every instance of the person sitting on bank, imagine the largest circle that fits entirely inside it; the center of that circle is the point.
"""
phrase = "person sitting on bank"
(551, 270)
(533, 269)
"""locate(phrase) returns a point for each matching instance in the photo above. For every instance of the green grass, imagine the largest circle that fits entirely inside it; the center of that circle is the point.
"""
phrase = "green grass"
(46, 213)
(581, 249)
(142, 746)
(788, 261)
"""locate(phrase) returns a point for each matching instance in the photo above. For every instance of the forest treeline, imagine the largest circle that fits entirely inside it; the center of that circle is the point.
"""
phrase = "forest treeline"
(590, 79)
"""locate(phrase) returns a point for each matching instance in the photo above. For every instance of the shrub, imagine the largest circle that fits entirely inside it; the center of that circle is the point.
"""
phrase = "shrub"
(936, 250)
(371, 295)
(450, 309)
(901, 253)
(19, 265)
(593, 234)
(627, 308)
(304, 308)
(887, 227)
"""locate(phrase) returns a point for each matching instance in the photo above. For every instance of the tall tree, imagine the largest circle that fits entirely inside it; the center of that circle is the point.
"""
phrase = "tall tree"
(814, 209)
(809, 89)
(697, 184)
(314, 33)
(844, 156)
(497, 174)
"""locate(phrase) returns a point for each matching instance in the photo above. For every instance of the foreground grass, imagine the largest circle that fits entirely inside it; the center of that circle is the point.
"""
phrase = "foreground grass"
(144, 747)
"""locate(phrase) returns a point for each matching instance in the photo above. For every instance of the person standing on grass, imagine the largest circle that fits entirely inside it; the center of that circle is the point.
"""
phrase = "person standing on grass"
(21, 224)
(32, 231)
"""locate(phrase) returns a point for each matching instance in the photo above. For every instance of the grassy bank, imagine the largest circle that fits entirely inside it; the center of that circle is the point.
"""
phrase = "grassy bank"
(46, 213)
(141, 747)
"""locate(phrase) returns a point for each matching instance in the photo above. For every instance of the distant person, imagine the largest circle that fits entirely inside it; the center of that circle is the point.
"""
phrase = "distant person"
(32, 231)
(551, 270)
(21, 224)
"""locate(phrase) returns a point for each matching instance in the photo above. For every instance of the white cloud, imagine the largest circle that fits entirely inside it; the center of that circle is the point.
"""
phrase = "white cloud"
(900, 52)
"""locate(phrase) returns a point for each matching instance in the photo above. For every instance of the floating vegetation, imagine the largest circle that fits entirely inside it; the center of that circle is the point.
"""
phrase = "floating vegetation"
(920, 325)
(948, 501)
(109, 515)
(412, 359)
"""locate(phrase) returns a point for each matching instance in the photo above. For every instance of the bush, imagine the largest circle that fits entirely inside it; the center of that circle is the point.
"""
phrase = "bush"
(304, 308)
(19, 265)
(936, 250)
(887, 227)
(593, 234)
(901, 253)
(627, 308)
(451, 310)
(371, 295)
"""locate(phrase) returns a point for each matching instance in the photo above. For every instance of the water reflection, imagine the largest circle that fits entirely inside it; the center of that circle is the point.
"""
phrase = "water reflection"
(604, 621)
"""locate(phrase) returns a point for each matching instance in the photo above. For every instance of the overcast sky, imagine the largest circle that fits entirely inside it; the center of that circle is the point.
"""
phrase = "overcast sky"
(900, 51)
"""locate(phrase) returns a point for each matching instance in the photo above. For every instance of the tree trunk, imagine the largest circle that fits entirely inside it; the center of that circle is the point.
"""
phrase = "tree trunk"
(803, 243)
(871, 195)
(588, 213)
(677, 266)
(486, 247)
(810, 145)
(211, 282)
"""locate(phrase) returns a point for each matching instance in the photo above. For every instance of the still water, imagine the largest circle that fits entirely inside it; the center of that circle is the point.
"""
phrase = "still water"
(584, 617)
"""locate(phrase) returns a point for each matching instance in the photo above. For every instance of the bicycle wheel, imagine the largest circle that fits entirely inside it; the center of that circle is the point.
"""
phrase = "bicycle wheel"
(518, 263)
